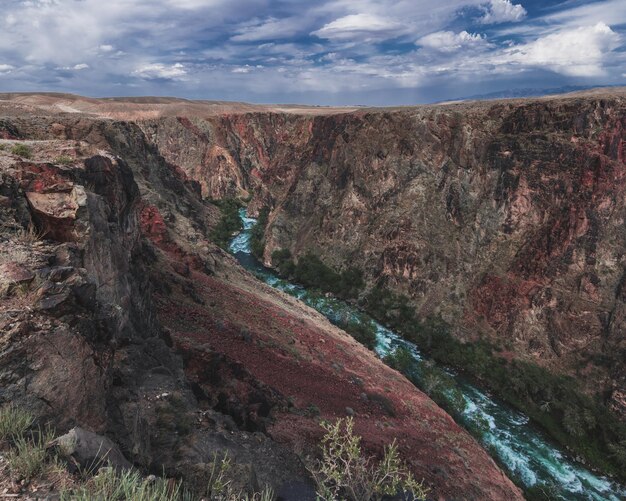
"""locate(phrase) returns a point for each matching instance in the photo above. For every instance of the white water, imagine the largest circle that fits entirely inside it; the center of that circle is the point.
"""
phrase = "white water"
(525, 452)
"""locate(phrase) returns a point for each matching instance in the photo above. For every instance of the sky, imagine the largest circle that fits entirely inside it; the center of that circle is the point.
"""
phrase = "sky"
(334, 52)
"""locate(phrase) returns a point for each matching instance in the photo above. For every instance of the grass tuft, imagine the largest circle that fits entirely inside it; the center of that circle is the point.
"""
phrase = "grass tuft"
(127, 485)
(28, 457)
(14, 422)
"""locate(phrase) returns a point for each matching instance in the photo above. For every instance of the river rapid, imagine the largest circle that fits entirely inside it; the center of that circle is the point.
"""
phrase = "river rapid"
(527, 455)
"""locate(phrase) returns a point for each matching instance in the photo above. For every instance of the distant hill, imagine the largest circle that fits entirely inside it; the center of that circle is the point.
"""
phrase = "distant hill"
(528, 92)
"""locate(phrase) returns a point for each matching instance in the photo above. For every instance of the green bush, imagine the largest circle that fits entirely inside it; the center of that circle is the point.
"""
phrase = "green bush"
(433, 380)
(311, 272)
(401, 360)
(63, 160)
(283, 262)
(351, 283)
(257, 234)
(22, 150)
(229, 223)
(344, 473)
(361, 330)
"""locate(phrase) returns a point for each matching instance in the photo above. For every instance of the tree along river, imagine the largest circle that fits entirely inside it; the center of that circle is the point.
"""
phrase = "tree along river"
(526, 454)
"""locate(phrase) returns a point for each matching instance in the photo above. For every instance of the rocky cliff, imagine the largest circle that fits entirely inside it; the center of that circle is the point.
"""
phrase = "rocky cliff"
(503, 218)
(119, 315)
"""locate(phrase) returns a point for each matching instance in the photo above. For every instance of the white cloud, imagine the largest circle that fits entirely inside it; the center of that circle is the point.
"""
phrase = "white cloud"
(502, 11)
(448, 41)
(106, 48)
(195, 4)
(269, 29)
(364, 27)
(76, 67)
(153, 71)
(577, 52)
(5, 69)
(611, 12)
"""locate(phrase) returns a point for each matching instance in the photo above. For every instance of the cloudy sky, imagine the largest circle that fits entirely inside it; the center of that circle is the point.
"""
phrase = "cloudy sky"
(309, 51)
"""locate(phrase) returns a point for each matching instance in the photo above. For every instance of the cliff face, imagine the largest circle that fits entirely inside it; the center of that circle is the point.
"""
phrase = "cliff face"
(119, 315)
(82, 342)
(504, 218)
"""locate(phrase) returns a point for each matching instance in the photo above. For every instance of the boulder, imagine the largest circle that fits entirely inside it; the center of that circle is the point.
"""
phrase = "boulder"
(90, 451)
(56, 213)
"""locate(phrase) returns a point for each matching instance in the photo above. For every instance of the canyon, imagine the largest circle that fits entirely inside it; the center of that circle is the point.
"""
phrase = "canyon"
(119, 314)
(503, 218)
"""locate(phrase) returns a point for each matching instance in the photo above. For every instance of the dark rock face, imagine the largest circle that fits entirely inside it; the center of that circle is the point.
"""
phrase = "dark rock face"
(505, 218)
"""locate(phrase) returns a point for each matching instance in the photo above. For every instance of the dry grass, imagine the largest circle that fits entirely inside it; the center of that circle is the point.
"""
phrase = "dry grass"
(30, 235)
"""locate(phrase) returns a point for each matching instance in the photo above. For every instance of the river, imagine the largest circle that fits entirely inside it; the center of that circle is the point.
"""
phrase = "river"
(525, 452)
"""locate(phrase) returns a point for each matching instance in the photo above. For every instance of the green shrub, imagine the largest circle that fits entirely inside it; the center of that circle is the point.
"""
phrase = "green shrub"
(14, 422)
(433, 380)
(283, 262)
(313, 410)
(22, 150)
(351, 283)
(364, 331)
(344, 473)
(229, 223)
(311, 272)
(257, 234)
(63, 160)
(3, 146)
(401, 359)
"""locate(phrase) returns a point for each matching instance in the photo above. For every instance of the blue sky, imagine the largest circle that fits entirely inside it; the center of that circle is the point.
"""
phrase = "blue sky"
(319, 52)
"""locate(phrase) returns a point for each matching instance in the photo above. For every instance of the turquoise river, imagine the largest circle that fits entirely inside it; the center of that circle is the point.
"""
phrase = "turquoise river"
(525, 453)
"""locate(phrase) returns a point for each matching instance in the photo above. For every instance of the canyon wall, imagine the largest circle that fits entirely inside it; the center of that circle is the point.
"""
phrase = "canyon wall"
(506, 219)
